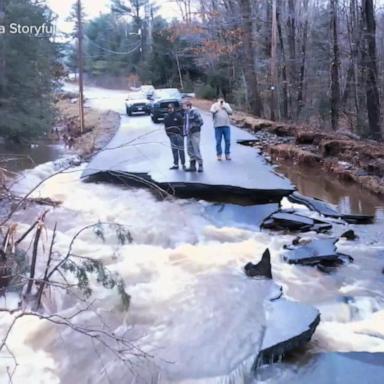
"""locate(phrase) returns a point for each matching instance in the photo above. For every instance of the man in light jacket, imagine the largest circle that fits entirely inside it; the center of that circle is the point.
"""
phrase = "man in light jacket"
(220, 113)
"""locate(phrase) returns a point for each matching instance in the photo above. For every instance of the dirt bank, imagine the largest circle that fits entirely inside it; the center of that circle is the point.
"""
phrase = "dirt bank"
(339, 153)
(100, 126)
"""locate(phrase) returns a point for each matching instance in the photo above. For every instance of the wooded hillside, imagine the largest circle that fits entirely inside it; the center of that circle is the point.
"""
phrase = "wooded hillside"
(316, 61)
(28, 67)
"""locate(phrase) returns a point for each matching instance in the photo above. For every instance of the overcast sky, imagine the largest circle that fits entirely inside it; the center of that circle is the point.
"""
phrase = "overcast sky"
(93, 8)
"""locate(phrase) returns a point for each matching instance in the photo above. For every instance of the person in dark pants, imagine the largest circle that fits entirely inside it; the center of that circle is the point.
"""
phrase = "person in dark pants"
(192, 128)
(173, 124)
(220, 113)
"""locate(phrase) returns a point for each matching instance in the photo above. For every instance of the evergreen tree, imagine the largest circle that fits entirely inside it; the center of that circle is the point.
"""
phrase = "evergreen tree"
(28, 68)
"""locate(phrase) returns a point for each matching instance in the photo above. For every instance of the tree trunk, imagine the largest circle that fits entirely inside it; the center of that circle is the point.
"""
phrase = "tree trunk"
(274, 79)
(249, 57)
(285, 110)
(373, 100)
(34, 258)
(353, 85)
(291, 39)
(300, 92)
(335, 64)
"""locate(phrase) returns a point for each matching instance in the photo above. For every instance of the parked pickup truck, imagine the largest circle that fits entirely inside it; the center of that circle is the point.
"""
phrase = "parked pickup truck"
(136, 102)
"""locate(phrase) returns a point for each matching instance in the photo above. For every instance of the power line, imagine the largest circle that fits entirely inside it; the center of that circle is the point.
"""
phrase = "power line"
(112, 51)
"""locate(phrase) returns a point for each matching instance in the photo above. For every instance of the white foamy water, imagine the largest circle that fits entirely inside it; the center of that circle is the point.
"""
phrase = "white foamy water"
(193, 311)
(194, 317)
(184, 282)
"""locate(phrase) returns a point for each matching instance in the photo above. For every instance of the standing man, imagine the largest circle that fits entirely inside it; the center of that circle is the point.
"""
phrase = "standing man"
(220, 113)
(192, 127)
(173, 124)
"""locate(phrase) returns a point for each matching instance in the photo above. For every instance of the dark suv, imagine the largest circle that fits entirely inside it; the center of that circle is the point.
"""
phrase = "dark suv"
(162, 98)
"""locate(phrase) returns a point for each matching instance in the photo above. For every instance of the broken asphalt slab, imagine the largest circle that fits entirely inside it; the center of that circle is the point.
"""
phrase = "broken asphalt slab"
(289, 324)
(327, 210)
(318, 251)
(291, 221)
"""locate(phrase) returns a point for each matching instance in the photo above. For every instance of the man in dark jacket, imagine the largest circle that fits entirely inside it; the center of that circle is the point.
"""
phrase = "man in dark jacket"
(192, 127)
(173, 123)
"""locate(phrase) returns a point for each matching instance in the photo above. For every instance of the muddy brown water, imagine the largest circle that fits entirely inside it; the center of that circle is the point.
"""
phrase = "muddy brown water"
(16, 157)
(347, 197)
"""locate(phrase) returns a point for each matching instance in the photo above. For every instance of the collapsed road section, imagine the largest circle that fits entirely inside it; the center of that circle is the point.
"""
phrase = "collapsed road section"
(140, 154)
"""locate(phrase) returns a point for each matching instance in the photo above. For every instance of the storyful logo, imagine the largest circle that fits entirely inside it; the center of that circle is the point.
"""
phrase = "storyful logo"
(43, 30)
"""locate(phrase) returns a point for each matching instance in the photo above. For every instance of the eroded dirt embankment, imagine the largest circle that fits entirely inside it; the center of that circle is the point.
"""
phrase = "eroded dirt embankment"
(341, 154)
(100, 126)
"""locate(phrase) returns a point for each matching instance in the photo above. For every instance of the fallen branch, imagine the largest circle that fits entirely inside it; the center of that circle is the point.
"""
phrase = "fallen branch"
(45, 278)
(40, 227)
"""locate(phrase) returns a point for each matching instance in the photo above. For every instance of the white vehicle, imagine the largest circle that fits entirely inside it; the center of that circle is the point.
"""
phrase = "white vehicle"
(136, 102)
(148, 90)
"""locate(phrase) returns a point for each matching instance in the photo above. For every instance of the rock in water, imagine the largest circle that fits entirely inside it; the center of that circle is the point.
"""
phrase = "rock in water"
(349, 235)
(262, 268)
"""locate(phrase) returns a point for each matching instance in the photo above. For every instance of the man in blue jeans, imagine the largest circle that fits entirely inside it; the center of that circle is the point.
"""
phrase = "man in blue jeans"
(220, 113)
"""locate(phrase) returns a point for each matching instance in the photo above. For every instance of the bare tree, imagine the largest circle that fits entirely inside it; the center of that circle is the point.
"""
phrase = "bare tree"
(370, 61)
(353, 80)
(335, 64)
(285, 95)
(274, 73)
(291, 38)
(303, 59)
(247, 8)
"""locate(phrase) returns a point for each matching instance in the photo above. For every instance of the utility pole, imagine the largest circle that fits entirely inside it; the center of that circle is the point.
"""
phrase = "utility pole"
(179, 71)
(148, 23)
(80, 63)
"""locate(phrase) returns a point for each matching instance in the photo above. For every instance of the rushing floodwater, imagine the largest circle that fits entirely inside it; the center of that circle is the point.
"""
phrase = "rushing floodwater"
(192, 310)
